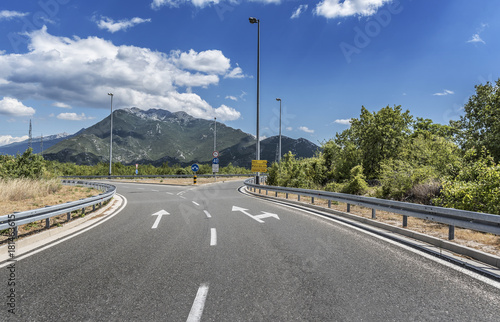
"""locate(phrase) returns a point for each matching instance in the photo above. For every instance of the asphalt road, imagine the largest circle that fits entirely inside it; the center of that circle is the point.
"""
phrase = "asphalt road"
(210, 253)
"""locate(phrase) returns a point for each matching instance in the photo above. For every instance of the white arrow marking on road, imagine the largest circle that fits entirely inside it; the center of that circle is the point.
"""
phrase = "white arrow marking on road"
(266, 215)
(258, 217)
(243, 210)
(159, 214)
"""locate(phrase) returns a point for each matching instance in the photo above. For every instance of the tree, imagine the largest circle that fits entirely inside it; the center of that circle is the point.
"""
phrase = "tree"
(380, 135)
(480, 126)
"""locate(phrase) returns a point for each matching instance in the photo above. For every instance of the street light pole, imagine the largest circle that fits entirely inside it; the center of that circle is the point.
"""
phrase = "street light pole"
(279, 145)
(111, 135)
(257, 21)
(215, 134)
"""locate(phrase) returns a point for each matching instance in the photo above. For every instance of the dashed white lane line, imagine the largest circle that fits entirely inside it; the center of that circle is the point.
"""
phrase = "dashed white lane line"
(195, 203)
(208, 214)
(169, 193)
(198, 304)
(213, 237)
(182, 197)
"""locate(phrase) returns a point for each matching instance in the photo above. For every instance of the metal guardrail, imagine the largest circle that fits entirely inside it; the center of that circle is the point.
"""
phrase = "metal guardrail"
(159, 176)
(17, 219)
(488, 223)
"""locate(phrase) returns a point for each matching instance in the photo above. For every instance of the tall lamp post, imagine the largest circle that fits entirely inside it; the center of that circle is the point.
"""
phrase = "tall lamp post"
(257, 21)
(279, 144)
(111, 135)
(215, 134)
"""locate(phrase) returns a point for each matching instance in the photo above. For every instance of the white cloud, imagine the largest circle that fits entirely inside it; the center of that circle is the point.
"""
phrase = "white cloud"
(237, 72)
(114, 26)
(8, 15)
(229, 97)
(444, 93)
(289, 128)
(306, 129)
(61, 105)
(476, 38)
(346, 8)
(300, 9)
(157, 4)
(74, 117)
(8, 139)
(80, 72)
(12, 107)
(343, 121)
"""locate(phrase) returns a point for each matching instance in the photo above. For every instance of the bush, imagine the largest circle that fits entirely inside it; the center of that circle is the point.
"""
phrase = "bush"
(357, 184)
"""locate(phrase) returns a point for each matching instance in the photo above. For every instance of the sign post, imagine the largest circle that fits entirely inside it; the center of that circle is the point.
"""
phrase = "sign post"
(215, 163)
(195, 169)
(136, 169)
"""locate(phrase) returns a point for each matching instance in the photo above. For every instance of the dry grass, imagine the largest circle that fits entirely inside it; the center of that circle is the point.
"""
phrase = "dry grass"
(485, 242)
(23, 194)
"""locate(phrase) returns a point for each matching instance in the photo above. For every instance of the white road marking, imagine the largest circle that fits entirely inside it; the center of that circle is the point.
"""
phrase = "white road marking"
(266, 215)
(196, 203)
(207, 213)
(213, 237)
(155, 190)
(198, 304)
(182, 197)
(169, 193)
(159, 214)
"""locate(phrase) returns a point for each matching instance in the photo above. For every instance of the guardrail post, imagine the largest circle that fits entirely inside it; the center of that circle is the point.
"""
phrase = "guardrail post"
(329, 204)
(451, 232)
(93, 207)
(312, 200)
(68, 216)
(83, 211)
(298, 197)
(405, 221)
(47, 223)
(374, 213)
(276, 194)
(348, 207)
(260, 191)
(16, 231)
(266, 191)
(286, 195)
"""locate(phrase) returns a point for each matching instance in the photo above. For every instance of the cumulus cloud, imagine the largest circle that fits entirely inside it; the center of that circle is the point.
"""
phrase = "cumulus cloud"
(346, 8)
(114, 26)
(74, 117)
(302, 8)
(8, 139)
(12, 107)
(444, 93)
(343, 121)
(82, 71)
(9, 15)
(306, 129)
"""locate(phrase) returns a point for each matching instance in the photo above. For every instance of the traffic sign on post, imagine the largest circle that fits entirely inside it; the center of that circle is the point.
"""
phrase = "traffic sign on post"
(195, 167)
(259, 165)
(215, 161)
(215, 168)
(215, 154)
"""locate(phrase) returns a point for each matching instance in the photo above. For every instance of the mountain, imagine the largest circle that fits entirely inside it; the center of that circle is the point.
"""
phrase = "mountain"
(158, 136)
(36, 144)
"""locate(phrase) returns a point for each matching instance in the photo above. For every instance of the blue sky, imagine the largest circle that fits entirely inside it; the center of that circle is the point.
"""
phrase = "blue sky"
(324, 59)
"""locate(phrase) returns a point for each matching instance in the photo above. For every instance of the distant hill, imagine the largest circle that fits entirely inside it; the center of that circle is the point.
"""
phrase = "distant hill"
(157, 136)
(36, 144)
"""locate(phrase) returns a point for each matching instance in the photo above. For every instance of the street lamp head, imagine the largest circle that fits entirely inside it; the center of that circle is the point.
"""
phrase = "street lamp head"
(253, 20)
(278, 99)
(110, 94)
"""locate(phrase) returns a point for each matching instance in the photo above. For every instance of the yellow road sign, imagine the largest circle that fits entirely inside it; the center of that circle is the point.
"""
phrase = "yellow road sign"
(259, 165)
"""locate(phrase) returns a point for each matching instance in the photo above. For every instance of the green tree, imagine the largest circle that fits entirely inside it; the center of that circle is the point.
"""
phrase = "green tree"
(480, 126)
(380, 135)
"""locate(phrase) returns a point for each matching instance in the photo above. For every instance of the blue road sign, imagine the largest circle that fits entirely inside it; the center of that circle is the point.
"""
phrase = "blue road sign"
(215, 161)
(195, 167)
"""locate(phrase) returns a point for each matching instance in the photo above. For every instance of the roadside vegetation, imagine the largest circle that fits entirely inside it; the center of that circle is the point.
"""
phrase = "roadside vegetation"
(391, 154)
